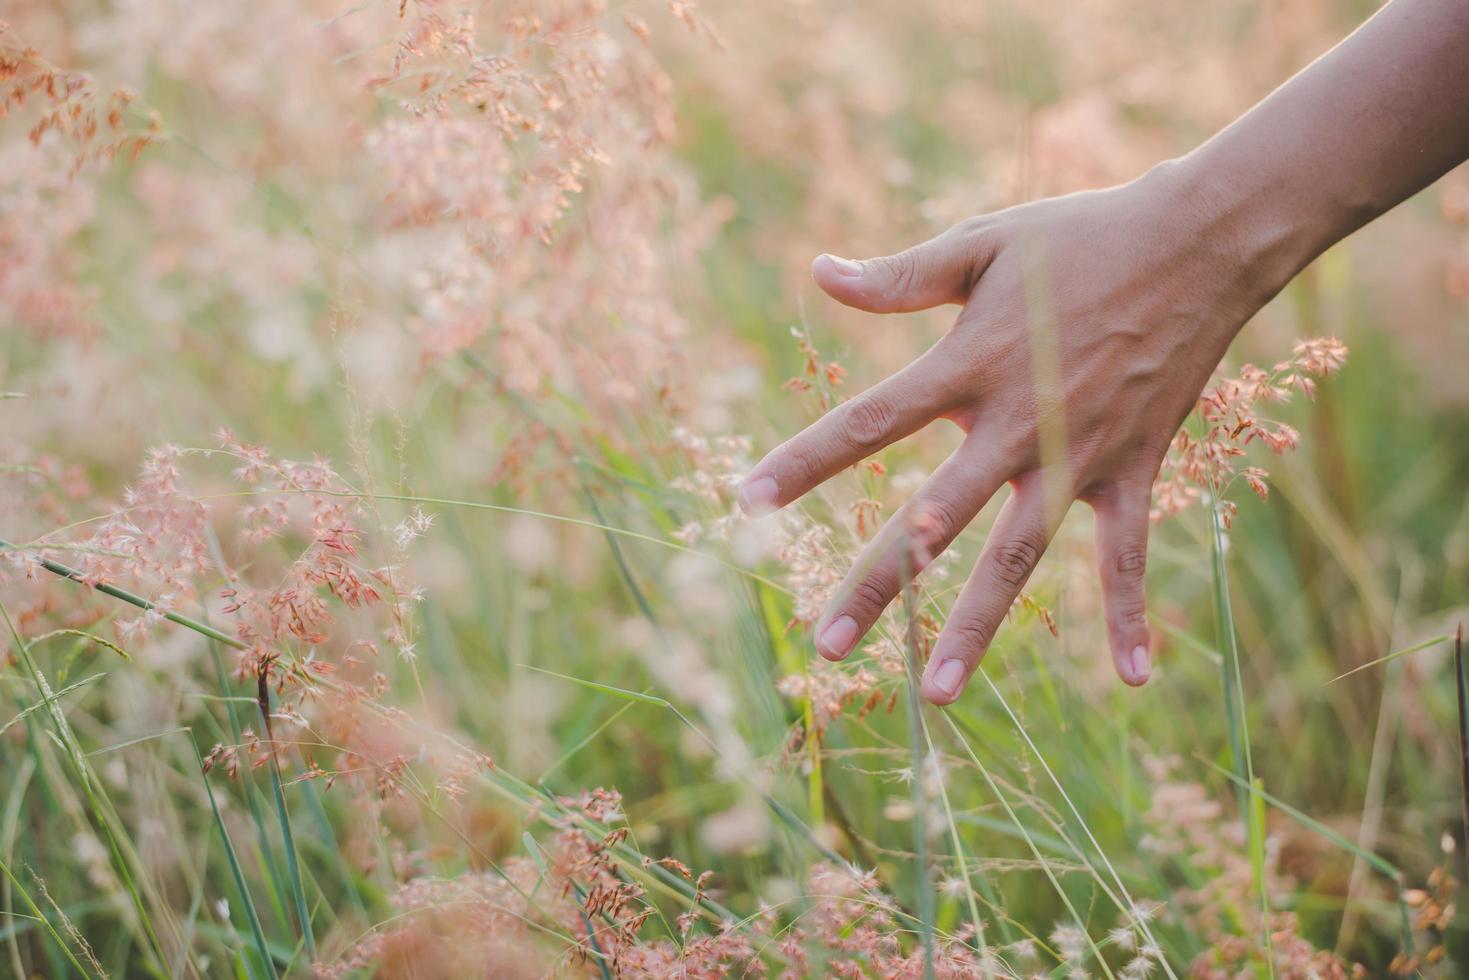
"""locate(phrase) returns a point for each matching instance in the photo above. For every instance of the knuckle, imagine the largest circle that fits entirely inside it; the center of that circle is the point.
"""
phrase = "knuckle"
(973, 239)
(869, 597)
(1009, 442)
(1132, 613)
(1015, 560)
(972, 635)
(1149, 454)
(946, 385)
(1130, 562)
(1017, 436)
(902, 269)
(934, 522)
(800, 464)
(868, 421)
(971, 227)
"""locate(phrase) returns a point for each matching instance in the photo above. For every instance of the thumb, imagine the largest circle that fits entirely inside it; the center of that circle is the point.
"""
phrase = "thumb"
(939, 271)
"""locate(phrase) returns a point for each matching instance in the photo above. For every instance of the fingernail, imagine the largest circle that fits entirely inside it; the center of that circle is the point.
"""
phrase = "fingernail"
(836, 640)
(758, 497)
(948, 677)
(1142, 663)
(845, 266)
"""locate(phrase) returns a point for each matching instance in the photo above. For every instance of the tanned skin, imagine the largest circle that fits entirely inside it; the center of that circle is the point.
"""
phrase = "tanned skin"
(1090, 324)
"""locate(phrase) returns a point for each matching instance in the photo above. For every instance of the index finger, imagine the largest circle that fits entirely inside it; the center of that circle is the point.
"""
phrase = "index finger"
(849, 433)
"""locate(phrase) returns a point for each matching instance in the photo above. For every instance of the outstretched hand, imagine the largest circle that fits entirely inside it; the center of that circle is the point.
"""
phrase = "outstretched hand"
(1089, 326)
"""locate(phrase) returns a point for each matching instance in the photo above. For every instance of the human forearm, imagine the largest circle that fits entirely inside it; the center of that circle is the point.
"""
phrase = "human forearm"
(1376, 119)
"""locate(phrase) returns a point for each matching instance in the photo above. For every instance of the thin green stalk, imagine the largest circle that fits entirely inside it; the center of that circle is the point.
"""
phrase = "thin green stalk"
(583, 742)
(67, 572)
(1395, 655)
(1030, 843)
(1352, 847)
(274, 885)
(775, 806)
(331, 848)
(793, 661)
(958, 845)
(1225, 639)
(293, 868)
(1311, 823)
(1463, 690)
(235, 872)
(1251, 810)
(1132, 909)
(352, 494)
(66, 741)
(60, 693)
(45, 922)
(20, 779)
(920, 805)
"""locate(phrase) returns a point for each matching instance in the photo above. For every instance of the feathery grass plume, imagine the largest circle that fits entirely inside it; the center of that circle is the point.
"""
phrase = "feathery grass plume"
(1200, 466)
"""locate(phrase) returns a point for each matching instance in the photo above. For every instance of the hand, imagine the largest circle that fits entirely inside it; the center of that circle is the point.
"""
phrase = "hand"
(1090, 324)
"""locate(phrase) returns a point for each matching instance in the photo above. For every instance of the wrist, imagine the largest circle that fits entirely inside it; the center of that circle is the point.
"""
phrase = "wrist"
(1250, 228)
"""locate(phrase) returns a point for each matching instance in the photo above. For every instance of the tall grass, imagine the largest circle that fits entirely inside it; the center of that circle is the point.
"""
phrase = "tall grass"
(503, 687)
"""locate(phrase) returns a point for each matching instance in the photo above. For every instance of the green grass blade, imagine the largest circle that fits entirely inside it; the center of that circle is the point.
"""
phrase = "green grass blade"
(958, 845)
(288, 842)
(84, 635)
(45, 922)
(61, 692)
(926, 901)
(1122, 890)
(67, 572)
(1395, 655)
(1463, 690)
(1247, 788)
(617, 692)
(1025, 833)
(274, 879)
(105, 821)
(233, 860)
(1316, 826)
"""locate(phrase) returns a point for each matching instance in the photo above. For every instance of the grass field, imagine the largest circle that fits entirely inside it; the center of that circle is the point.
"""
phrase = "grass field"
(376, 381)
